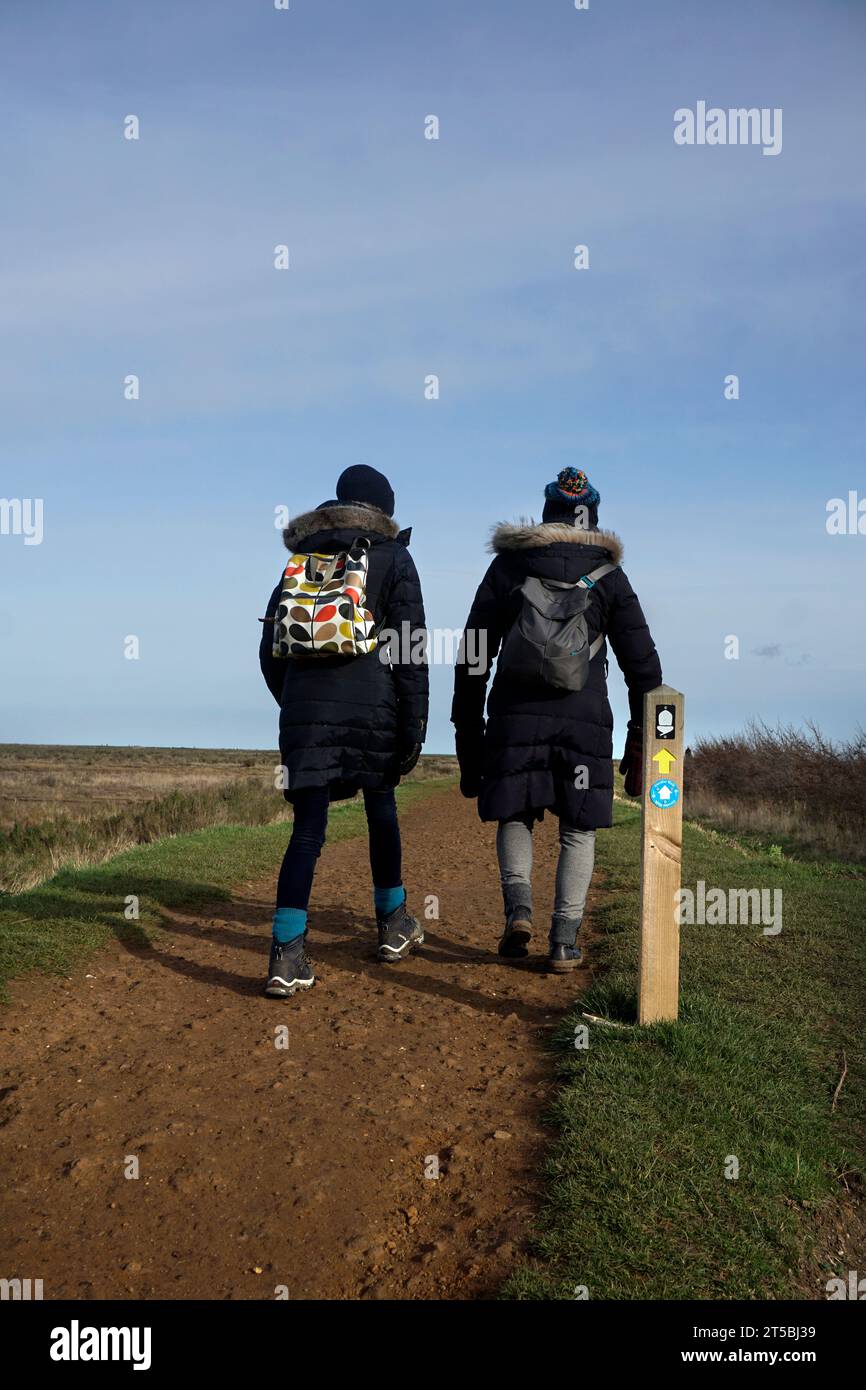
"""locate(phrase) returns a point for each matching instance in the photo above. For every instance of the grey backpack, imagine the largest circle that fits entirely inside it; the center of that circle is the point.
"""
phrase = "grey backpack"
(549, 640)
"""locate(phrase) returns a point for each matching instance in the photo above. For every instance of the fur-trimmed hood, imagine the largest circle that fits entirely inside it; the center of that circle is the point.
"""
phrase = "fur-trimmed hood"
(529, 535)
(341, 516)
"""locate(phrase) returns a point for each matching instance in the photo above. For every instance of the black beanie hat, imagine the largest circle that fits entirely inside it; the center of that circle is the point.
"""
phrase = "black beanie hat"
(360, 483)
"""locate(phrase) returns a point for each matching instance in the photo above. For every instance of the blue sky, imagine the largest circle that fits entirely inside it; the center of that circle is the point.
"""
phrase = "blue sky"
(410, 257)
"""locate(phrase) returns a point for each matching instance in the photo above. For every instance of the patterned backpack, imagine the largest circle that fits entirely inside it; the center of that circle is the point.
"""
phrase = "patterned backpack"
(322, 610)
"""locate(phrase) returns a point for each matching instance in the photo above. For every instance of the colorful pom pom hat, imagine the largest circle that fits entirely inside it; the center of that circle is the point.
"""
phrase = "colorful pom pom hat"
(572, 489)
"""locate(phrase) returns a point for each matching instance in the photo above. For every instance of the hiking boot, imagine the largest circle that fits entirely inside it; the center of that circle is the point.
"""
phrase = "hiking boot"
(563, 958)
(518, 921)
(399, 933)
(514, 942)
(288, 968)
(565, 954)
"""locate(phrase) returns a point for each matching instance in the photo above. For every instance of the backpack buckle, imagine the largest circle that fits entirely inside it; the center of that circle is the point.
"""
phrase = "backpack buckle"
(587, 582)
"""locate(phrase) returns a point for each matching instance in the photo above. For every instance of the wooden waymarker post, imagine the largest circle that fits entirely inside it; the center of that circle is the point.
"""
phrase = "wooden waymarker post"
(661, 855)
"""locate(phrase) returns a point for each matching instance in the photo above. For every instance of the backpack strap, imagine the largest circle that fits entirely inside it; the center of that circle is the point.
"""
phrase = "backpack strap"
(589, 581)
(314, 568)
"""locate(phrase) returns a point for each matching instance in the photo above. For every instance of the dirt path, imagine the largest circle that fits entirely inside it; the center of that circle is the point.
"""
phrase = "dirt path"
(302, 1166)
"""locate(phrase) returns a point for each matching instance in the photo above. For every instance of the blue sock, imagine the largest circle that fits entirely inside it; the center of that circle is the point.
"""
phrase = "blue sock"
(387, 900)
(289, 922)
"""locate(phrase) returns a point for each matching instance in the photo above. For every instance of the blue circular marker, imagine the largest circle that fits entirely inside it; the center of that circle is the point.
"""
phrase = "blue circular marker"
(664, 793)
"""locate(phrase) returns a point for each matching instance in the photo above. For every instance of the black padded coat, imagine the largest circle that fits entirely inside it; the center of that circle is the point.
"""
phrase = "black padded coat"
(537, 737)
(345, 722)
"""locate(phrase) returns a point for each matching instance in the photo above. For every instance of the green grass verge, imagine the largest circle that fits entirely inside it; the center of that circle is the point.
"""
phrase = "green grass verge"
(53, 927)
(638, 1205)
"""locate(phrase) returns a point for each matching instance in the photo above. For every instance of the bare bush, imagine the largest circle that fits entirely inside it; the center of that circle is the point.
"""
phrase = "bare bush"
(787, 781)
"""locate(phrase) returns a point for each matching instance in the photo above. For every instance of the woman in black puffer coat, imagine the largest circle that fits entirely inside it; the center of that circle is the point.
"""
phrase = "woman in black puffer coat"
(545, 748)
(349, 723)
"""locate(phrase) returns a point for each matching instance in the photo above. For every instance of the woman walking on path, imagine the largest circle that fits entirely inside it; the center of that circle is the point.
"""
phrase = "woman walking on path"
(550, 600)
(353, 709)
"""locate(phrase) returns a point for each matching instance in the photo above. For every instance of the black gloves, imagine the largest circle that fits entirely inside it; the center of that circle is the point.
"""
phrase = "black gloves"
(469, 746)
(408, 759)
(631, 766)
(410, 740)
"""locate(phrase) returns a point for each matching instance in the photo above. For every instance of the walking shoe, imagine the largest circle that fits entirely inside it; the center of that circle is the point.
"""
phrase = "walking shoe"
(399, 932)
(517, 898)
(517, 934)
(563, 958)
(289, 969)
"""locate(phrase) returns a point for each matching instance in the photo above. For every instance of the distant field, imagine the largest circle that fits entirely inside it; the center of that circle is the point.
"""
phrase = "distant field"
(39, 782)
(64, 806)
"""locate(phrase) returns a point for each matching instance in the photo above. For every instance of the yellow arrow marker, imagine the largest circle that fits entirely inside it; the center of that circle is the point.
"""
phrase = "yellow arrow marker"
(664, 759)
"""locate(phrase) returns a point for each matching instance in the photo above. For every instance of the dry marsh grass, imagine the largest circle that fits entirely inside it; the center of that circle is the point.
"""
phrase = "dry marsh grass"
(794, 786)
(41, 782)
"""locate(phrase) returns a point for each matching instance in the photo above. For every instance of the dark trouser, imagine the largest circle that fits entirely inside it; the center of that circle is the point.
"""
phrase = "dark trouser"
(308, 835)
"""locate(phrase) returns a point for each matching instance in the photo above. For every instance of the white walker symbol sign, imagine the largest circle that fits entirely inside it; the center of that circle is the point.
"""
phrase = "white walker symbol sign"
(664, 793)
(666, 721)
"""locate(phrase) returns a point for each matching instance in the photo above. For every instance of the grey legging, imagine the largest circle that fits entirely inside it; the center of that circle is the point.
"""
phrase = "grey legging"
(573, 873)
